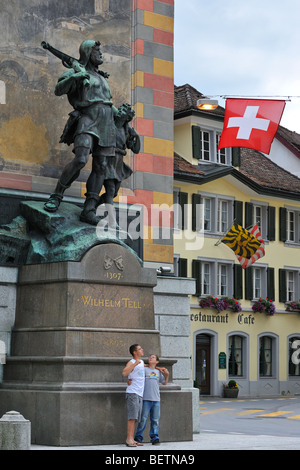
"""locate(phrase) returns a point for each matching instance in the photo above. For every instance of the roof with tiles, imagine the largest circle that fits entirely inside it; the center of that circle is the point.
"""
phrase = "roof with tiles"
(290, 139)
(255, 167)
(185, 99)
(183, 166)
(267, 173)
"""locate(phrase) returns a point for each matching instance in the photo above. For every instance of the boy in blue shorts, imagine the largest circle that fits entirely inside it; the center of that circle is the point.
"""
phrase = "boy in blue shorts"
(151, 399)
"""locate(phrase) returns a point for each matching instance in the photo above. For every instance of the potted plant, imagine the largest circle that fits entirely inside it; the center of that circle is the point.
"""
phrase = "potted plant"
(264, 305)
(231, 389)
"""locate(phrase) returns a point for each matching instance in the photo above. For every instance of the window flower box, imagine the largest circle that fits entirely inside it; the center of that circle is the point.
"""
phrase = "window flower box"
(220, 303)
(293, 306)
(264, 306)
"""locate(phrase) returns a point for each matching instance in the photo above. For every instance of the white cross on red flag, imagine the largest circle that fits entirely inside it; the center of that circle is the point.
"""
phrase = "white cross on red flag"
(251, 123)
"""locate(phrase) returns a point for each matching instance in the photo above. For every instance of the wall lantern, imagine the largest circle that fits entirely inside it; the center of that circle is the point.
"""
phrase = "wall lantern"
(207, 104)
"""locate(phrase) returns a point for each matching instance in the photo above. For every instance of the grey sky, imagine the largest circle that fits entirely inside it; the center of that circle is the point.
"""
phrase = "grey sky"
(240, 47)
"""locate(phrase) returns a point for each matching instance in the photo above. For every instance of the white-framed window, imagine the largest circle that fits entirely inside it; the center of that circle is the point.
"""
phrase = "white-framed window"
(259, 282)
(223, 277)
(290, 285)
(291, 223)
(207, 203)
(291, 226)
(217, 213)
(206, 284)
(221, 153)
(216, 277)
(258, 217)
(205, 146)
(292, 277)
(223, 215)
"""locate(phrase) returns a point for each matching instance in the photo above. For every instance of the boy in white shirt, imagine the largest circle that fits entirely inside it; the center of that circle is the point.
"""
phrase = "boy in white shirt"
(135, 371)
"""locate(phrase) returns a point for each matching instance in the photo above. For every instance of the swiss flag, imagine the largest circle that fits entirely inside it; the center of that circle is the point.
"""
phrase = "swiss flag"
(251, 123)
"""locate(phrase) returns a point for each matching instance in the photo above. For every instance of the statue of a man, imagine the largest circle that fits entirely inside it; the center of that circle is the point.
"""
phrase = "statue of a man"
(91, 127)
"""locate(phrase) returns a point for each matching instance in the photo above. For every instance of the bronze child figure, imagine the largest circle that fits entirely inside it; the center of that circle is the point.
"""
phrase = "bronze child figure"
(115, 170)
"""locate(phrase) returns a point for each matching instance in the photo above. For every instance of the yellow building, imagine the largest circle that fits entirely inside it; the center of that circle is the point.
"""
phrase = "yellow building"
(212, 190)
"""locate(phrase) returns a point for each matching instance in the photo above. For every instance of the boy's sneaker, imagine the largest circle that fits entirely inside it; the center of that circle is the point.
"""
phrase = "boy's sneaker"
(155, 442)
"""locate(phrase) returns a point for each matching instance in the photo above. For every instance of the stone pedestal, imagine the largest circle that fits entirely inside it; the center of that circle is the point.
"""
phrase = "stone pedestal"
(74, 324)
(8, 295)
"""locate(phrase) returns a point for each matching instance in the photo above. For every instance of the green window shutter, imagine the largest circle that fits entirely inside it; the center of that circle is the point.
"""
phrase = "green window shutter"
(282, 223)
(282, 285)
(270, 284)
(183, 200)
(196, 273)
(196, 222)
(196, 142)
(236, 156)
(238, 281)
(249, 283)
(248, 214)
(182, 267)
(271, 223)
(238, 212)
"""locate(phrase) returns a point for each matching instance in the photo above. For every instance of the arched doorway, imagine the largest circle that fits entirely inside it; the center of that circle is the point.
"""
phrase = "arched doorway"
(203, 365)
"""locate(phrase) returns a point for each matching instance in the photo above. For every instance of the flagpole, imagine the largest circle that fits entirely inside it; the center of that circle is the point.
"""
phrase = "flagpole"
(225, 233)
(279, 97)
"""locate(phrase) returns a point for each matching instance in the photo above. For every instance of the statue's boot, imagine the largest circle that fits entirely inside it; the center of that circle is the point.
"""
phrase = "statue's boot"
(55, 198)
(88, 214)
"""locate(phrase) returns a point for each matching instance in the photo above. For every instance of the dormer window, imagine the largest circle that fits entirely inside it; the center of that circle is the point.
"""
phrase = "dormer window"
(205, 146)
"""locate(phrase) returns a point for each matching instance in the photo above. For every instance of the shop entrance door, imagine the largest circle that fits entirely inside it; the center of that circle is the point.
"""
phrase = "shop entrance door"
(203, 363)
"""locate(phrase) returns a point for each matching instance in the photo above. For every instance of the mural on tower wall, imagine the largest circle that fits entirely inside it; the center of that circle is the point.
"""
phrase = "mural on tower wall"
(32, 118)
(137, 40)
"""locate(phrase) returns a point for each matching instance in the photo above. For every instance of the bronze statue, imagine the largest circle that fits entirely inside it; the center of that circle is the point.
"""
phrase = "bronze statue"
(95, 126)
(116, 170)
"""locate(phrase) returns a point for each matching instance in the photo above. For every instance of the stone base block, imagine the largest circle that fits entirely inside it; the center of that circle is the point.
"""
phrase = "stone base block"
(62, 373)
(95, 417)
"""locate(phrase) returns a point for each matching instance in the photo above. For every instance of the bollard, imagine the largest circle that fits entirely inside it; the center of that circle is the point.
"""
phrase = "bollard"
(2, 353)
(15, 432)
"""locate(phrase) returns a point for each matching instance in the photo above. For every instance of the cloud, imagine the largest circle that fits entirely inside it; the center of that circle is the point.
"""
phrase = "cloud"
(240, 48)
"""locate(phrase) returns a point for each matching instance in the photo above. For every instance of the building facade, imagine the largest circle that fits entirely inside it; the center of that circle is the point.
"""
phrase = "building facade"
(212, 190)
